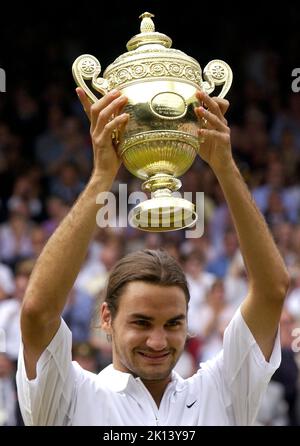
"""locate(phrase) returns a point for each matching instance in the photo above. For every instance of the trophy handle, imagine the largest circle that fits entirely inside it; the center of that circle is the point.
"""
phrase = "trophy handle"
(87, 67)
(215, 73)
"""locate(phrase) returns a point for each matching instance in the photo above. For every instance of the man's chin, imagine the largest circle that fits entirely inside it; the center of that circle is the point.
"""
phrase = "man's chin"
(154, 373)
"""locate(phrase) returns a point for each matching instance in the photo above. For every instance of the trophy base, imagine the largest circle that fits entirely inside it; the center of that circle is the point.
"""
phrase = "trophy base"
(163, 213)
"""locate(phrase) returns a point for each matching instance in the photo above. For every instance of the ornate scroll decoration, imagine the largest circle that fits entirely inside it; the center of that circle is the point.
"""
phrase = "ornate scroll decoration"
(215, 73)
(87, 67)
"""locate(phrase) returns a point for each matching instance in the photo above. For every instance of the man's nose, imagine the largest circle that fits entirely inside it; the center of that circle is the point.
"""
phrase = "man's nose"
(157, 340)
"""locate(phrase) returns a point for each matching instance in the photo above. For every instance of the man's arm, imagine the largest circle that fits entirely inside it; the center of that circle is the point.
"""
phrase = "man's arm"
(61, 259)
(267, 274)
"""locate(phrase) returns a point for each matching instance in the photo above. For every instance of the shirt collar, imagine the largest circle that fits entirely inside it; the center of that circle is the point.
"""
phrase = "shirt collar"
(119, 381)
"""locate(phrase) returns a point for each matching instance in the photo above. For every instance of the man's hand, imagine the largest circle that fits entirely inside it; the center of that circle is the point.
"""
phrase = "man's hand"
(214, 134)
(106, 117)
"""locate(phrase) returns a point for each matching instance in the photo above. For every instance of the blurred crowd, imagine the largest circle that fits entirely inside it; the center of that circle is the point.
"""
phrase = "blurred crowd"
(45, 162)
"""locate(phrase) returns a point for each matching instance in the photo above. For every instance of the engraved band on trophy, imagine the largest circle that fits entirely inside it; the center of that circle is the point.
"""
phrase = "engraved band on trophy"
(160, 141)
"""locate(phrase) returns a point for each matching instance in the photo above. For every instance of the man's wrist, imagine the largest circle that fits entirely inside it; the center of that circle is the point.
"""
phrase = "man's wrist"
(102, 181)
(225, 168)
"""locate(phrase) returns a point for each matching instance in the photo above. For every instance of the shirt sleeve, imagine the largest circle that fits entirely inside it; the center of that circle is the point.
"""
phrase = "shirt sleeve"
(242, 372)
(46, 400)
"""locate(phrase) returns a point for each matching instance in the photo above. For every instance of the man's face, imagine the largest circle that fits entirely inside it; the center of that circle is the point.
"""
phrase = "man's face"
(148, 331)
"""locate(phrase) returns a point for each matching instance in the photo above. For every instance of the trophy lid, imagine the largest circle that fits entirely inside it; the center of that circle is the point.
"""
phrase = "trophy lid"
(148, 35)
(151, 46)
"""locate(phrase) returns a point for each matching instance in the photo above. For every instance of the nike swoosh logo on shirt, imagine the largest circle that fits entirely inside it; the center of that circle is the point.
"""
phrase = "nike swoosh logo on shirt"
(190, 405)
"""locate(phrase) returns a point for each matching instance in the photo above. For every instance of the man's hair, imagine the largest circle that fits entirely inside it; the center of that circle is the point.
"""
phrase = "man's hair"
(151, 266)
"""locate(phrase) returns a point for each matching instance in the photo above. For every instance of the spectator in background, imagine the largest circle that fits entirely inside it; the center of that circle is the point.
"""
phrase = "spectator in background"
(284, 234)
(78, 313)
(15, 236)
(236, 281)
(287, 374)
(68, 184)
(93, 275)
(48, 145)
(38, 240)
(199, 282)
(213, 317)
(288, 119)
(56, 209)
(27, 192)
(274, 181)
(6, 282)
(10, 308)
(275, 212)
(86, 356)
(219, 266)
(220, 220)
(8, 394)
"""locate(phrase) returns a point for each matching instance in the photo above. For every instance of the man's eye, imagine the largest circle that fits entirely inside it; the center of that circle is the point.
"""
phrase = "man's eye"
(141, 323)
(173, 323)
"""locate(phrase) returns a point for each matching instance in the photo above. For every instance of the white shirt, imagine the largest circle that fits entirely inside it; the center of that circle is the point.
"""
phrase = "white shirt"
(225, 391)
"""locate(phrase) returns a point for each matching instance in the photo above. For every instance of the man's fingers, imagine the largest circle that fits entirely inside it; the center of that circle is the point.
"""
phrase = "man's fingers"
(223, 104)
(101, 104)
(116, 123)
(121, 104)
(207, 134)
(85, 102)
(214, 121)
(111, 110)
(218, 106)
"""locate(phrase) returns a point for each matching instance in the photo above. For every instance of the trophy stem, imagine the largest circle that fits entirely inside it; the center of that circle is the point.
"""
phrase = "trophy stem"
(161, 181)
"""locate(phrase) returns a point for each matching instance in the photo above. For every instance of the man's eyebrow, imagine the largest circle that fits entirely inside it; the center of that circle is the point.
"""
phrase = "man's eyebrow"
(141, 316)
(179, 317)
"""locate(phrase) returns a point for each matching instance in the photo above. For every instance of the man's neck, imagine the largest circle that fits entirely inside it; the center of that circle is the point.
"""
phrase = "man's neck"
(157, 388)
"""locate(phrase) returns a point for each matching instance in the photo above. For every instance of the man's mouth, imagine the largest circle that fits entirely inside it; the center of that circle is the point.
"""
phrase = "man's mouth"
(154, 357)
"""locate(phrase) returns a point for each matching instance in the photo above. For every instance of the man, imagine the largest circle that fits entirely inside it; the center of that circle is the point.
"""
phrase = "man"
(145, 310)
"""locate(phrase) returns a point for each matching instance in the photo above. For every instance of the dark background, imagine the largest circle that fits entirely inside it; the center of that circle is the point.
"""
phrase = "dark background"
(39, 43)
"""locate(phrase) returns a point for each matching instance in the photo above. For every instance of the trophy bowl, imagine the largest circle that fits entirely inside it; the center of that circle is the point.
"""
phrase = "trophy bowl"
(160, 141)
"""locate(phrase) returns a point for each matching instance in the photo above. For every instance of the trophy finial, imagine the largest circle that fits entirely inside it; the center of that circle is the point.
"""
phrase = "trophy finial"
(147, 25)
(148, 35)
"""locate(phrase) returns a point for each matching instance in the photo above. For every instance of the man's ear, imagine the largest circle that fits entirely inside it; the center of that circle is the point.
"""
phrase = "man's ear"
(106, 321)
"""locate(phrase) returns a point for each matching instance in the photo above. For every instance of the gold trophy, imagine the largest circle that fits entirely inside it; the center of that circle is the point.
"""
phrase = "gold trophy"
(160, 142)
